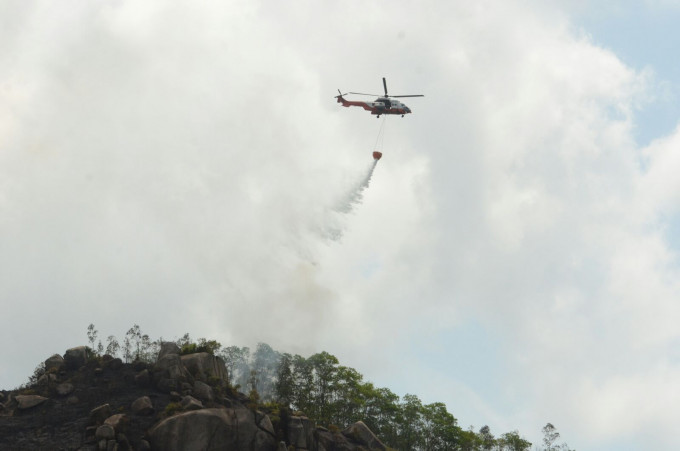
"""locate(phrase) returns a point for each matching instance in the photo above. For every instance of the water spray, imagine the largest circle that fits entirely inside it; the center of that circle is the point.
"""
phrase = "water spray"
(354, 195)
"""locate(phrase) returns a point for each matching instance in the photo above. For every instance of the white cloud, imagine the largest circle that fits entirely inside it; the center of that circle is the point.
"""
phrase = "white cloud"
(177, 167)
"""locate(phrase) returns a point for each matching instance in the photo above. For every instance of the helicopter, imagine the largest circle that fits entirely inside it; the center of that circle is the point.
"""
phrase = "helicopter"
(381, 105)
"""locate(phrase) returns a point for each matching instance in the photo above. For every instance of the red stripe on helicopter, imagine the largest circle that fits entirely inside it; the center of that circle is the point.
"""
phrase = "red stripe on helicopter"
(347, 103)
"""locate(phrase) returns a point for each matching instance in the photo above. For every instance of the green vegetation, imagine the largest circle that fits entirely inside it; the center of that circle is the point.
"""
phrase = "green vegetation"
(172, 408)
(37, 373)
(203, 345)
(331, 394)
(137, 347)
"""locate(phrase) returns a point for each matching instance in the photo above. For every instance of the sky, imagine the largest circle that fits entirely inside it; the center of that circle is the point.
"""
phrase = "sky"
(184, 166)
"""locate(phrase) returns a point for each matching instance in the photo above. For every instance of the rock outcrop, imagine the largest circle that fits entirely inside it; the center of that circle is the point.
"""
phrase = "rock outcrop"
(206, 367)
(27, 401)
(75, 358)
(181, 402)
(360, 433)
(168, 373)
(301, 432)
(212, 429)
(142, 406)
(54, 363)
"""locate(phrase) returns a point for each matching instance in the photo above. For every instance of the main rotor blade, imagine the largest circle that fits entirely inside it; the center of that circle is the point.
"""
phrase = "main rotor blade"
(385, 85)
(412, 95)
(363, 94)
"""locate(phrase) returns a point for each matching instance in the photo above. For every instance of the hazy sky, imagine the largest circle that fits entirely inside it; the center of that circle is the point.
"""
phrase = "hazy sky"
(179, 165)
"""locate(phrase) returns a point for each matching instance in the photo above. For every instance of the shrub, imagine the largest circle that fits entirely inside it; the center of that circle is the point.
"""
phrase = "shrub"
(37, 373)
(172, 408)
(203, 345)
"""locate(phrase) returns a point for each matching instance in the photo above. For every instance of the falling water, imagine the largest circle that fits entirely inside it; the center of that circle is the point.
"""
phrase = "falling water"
(355, 194)
(333, 224)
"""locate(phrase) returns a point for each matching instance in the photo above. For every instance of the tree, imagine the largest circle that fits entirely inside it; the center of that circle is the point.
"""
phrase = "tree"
(96, 347)
(284, 388)
(487, 438)
(92, 335)
(511, 441)
(380, 411)
(37, 374)
(469, 440)
(265, 363)
(252, 383)
(303, 377)
(134, 337)
(324, 367)
(550, 435)
(112, 346)
(347, 397)
(440, 429)
(209, 346)
(188, 346)
(184, 341)
(127, 349)
(148, 349)
(410, 422)
(236, 361)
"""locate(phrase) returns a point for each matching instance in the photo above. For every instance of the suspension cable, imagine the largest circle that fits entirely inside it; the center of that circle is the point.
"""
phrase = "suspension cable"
(380, 139)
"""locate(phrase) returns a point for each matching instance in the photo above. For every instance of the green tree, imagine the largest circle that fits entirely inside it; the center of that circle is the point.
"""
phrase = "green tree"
(92, 335)
(487, 438)
(440, 429)
(252, 384)
(303, 377)
(324, 367)
(284, 387)
(37, 374)
(202, 345)
(348, 398)
(410, 423)
(469, 440)
(127, 349)
(96, 346)
(134, 337)
(511, 441)
(184, 341)
(380, 412)
(112, 346)
(148, 349)
(210, 346)
(332, 394)
(550, 436)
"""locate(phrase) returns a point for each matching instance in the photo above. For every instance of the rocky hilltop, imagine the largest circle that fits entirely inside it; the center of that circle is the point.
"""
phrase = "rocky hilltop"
(180, 402)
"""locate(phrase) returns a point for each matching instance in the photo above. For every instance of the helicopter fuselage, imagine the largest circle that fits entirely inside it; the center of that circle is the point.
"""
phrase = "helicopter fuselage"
(381, 105)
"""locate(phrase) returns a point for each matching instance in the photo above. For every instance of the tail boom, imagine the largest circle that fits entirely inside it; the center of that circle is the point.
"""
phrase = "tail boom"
(349, 103)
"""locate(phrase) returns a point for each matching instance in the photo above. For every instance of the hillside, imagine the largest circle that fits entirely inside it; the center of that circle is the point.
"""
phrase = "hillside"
(189, 395)
(82, 401)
